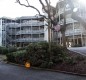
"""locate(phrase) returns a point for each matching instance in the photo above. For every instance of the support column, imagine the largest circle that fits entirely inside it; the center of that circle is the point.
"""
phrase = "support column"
(85, 41)
(81, 38)
(60, 38)
(20, 34)
(31, 31)
(77, 41)
(81, 35)
(59, 22)
(73, 35)
(15, 34)
(39, 33)
(11, 34)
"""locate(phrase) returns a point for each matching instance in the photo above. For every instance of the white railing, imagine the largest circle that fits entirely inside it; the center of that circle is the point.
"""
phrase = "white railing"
(68, 21)
(74, 32)
(32, 24)
(15, 25)
(29, 39)
(29, 32)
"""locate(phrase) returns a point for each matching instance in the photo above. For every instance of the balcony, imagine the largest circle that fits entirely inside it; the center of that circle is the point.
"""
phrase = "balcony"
(74, 32)
(31, 24)
(11, 33)
(68, 21)
(29, 39)
(16, 25)
(8, 37)
(29, 32)
(12, 25)
(61, 11)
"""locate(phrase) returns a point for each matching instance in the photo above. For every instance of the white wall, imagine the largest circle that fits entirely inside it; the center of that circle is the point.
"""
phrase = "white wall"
(45, 31)
(0, 32)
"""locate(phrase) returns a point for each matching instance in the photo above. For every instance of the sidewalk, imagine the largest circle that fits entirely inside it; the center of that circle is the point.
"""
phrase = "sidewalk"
(80, 50)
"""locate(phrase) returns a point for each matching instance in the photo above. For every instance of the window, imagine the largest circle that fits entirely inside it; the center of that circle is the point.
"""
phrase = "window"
(35, 28)
(41, 35)
(35, 36)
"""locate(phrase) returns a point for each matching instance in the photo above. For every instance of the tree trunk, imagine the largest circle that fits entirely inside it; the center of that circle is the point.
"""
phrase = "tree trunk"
(63, 38)
(64, 28)
(49, 36)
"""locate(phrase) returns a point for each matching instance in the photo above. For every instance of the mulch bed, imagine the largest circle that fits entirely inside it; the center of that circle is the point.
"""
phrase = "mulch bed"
(78, 67)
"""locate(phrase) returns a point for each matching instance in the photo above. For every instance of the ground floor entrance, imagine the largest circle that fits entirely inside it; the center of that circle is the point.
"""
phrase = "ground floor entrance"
(74, 41)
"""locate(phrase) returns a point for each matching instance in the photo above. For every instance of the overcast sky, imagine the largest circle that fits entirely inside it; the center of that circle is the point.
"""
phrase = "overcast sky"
(9, 8)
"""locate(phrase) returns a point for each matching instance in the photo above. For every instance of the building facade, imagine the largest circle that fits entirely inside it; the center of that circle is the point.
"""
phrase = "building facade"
(75, 31)
(22, 31)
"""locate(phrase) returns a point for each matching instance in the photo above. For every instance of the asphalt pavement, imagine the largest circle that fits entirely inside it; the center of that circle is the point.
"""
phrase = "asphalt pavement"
(80, 50)
(11, 72)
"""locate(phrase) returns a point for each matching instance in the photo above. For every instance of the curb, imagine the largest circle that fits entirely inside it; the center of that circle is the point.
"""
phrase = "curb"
(14, 64)
(65, 72)
(77, 52)
(80, 53)
(52, 70)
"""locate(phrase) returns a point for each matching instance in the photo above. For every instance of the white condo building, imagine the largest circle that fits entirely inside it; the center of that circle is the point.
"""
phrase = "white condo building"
(75, 31)
(22, 31)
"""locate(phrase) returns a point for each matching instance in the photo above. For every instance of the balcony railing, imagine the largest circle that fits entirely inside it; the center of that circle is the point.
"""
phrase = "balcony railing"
(8, 37)
(61, 11)
(11, 32)
(31, 24)
(29, 39)
(74, 32)
(68, 21)
(26, 24)
(29, 32)
(13, 25)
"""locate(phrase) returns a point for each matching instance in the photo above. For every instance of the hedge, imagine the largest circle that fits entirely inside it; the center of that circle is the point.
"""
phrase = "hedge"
(39, 55)
(3, 50)
(17, 57)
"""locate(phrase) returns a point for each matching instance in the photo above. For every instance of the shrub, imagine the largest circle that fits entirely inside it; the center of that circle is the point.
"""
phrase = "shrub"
(46, 64)
(3, 50)
(70, 61)
(21, 48)
(39, 55)
(12, 49)
(17, 57)
(80, 58)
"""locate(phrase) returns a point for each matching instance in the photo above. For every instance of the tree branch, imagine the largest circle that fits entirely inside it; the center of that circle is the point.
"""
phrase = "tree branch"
(18, 1)
(48, 5)
(27, 2)
(43, 5)
(46, 10)
(47, 2)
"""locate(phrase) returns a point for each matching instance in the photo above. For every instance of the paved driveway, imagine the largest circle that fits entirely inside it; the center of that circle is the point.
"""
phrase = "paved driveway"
(81, 50)
(11, 72)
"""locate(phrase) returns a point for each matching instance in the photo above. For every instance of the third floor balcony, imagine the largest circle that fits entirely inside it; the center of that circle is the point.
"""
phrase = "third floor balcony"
(31, 24)
(74, 32)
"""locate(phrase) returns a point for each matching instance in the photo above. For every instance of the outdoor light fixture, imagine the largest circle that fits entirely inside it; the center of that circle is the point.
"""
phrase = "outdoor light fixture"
(27, 64)
(75, 9)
